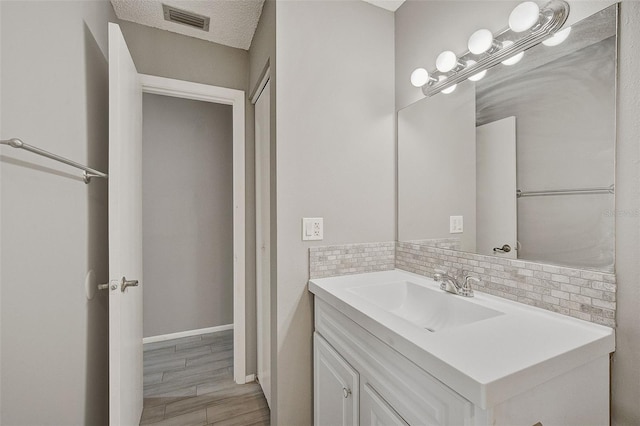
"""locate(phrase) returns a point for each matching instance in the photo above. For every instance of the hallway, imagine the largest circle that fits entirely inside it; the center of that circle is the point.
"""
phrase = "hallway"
(189, 381)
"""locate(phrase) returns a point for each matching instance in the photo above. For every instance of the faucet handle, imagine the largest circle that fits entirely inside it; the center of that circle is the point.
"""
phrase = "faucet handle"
(468, 278)
(438, 277)
(438, 274)
(466, 289)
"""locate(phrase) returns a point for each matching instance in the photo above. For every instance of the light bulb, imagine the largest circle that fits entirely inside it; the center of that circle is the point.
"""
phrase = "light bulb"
(480, 41)
(558, 37)
(446, 61)
(449, 89)
(419, 77)
(524, 16)
(514, 59)
(477, 76)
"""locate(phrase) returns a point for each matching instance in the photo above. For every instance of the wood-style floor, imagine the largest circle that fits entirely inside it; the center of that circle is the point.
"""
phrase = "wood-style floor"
(189, 381)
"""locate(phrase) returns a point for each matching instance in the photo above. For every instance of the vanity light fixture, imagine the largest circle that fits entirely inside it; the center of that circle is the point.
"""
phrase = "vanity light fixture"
(525, 16)
(419, 77)
(446, 61)
(558, 38)
(449, 89)
(479, 76)
(514, 59)
(481, 41)
(528, 26)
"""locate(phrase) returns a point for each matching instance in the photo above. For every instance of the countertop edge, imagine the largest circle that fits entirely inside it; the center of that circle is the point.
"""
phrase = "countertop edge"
(485, 395)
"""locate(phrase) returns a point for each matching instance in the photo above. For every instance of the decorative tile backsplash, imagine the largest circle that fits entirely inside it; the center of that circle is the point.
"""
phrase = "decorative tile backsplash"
(445, 243)
(588, 295)
(346, 259)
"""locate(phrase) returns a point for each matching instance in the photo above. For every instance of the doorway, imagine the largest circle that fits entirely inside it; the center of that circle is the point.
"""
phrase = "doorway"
(126, 283)
(235, 98)
(187, 208)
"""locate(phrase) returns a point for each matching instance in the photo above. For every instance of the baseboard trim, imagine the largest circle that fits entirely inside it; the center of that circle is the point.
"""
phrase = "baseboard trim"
(188, 333)
(250, 378)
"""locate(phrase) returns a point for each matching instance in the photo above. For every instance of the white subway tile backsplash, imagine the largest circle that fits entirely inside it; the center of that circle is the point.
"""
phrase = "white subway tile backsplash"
(588, 295)
(351, 259)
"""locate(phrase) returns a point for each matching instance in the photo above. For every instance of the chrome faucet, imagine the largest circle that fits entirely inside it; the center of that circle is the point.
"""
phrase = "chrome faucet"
(450, 283)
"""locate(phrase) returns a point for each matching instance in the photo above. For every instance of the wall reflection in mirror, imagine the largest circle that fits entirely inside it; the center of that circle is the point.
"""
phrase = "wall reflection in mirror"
(520, 164)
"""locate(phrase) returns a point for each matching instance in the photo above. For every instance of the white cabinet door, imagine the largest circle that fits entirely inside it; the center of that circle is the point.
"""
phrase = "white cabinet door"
(336, 387)
(375, 411)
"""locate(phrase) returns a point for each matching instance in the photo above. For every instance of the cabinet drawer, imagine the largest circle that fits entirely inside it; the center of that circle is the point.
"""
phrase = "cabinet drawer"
(417, 397)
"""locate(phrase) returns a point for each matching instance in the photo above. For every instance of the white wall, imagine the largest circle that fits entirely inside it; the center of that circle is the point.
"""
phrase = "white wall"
(187, 207)
(423, 29)
(335, 159)
(54, 227)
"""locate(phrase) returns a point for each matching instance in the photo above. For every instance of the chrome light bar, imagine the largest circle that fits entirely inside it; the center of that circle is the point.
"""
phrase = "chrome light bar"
(552, 16)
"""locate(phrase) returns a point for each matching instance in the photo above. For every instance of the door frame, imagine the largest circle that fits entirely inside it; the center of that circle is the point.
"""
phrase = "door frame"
(236, 98)
(260, 88)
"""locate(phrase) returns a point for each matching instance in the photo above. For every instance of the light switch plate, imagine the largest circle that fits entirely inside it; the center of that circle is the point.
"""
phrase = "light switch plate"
(312, 228)
(455, 225)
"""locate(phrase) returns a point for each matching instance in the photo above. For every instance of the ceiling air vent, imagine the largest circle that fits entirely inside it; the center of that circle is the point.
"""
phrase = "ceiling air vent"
(183, 17)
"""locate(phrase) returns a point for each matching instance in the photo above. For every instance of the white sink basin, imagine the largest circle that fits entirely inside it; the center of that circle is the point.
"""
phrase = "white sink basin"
(431, 309)
(485, 348)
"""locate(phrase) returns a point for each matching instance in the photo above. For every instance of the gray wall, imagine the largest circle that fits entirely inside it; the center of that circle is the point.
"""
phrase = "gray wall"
(335, 158)
(437, 167)
(626, 374)
(187, 204)
(54, 227)
(1, 218)
(172, 55)
(262, 54)
(421, 28)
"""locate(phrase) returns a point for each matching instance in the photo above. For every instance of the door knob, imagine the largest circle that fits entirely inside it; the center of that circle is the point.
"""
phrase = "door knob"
(106, 286)
(346, 392)
(504, 249)
(124, 283)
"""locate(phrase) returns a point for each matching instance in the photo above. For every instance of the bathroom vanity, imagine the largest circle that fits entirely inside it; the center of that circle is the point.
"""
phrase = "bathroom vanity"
(391, 348)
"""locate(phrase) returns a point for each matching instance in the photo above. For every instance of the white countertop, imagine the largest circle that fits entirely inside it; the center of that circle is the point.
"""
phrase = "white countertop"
(488, 361)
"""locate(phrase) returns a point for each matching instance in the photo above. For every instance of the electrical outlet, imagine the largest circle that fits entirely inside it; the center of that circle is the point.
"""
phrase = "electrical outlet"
(312, 228)
(455, 225)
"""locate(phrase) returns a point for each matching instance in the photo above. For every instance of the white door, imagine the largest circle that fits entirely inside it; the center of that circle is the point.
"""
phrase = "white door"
(263, 240)
(496, 202)
(335, 387)
(125, 234)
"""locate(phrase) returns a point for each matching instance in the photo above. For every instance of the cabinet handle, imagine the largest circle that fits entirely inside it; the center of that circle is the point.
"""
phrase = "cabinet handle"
(346, 392)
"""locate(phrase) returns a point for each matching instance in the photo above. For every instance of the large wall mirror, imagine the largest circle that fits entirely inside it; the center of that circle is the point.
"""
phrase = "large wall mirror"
(520, 164)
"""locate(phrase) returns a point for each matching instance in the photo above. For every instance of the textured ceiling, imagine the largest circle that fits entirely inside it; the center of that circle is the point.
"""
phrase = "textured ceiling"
(233, 22)
(391, 5)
